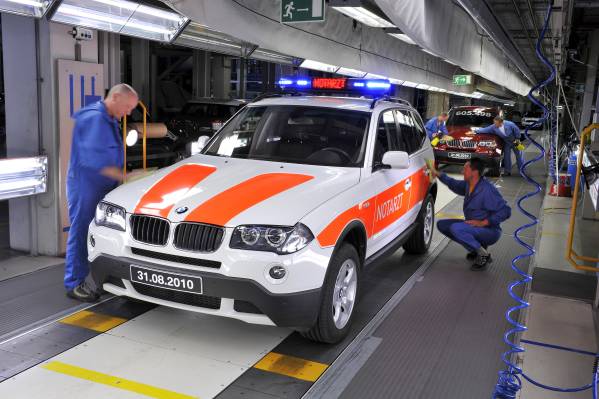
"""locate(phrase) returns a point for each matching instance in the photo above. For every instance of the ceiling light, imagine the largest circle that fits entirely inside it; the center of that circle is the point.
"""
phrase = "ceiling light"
(422, 86)
(429, 52)
(396, 81)
(29, 8)
(354, 73)
(433, 88)
(364, 16)
(318, 66)
(121, 16)
(450, 62)
(407, 83)
(374, 76)
(403, 37)
(204, 38)
(23, 176)
(271, 56)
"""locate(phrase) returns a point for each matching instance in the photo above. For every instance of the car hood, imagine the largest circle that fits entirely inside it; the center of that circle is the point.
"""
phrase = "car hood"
(231, 192)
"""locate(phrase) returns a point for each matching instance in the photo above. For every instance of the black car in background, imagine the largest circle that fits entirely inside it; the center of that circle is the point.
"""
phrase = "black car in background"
(199, 117)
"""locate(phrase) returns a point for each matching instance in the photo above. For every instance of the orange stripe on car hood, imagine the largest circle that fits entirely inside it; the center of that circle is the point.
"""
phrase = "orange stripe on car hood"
(220, 209)
(162, 196)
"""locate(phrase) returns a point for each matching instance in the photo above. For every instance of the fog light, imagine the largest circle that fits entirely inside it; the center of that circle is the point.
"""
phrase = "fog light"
(277, 272)
(92, 240)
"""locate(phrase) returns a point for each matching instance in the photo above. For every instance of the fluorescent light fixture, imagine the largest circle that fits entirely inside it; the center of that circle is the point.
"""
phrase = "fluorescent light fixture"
(407, 83)
(318, 66)
(442, 90)
(403, 37)
(422, 86)
(396, 81)
(365, 16)
(354, 73)
(450, 62)
(121, 16)
(204, 38)
(429, 52)
(29, 8)
(477, 94)
(374, 76)
(23, 176)
(272, 56)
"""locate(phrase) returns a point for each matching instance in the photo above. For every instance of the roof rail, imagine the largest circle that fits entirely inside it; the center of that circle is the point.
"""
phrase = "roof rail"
(390, 99)
(275, 94)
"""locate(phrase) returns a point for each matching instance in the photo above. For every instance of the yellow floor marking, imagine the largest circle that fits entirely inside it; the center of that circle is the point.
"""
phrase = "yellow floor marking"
(291, 366)
(93, 321)
(115, 382)
(450, 215)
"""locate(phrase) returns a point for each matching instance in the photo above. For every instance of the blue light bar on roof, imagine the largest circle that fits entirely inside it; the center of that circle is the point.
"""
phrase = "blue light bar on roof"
(365, 86)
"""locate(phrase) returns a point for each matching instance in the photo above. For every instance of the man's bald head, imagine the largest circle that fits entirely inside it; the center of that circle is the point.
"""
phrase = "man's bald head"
(121, 100)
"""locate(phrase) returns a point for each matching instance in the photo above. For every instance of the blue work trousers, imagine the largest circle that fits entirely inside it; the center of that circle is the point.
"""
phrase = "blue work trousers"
(470, 237)
(82, 201)
(507, 157)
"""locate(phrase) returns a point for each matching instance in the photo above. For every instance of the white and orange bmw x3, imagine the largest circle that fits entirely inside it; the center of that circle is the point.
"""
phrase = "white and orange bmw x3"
(277, 216)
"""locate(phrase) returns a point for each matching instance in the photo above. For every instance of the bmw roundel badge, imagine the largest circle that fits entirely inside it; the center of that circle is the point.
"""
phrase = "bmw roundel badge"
(181, 210)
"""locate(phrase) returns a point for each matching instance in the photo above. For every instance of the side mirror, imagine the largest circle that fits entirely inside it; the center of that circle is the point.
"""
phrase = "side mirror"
(199, 145)
(397, 159)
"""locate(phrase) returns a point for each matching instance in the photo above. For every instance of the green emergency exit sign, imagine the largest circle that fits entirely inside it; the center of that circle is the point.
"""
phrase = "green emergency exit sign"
(302, 11)
(462, 80)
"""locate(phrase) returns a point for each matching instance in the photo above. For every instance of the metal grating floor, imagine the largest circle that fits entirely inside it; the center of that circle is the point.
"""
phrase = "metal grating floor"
(444, 339)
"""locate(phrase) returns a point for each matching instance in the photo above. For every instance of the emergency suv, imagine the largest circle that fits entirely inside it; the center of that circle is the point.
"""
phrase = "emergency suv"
(463, 144)
(276, 218)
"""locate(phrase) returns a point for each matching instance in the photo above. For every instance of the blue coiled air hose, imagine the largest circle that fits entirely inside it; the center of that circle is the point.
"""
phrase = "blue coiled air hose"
(509, 381)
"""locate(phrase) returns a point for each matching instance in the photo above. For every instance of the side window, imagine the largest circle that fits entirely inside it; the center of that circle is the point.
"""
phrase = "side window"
(409, 132)
(385, 134)
(419, 127)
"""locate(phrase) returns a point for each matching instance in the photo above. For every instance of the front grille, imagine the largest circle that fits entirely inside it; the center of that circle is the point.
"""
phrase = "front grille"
(186, 298)
(469, 144)
(176, 258)
(198, 237)
(149, 229)
(246, 307)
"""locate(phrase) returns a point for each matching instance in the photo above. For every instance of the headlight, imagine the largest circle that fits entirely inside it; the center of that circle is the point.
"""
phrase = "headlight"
(281, 240)
(490, 144)
(111, 216)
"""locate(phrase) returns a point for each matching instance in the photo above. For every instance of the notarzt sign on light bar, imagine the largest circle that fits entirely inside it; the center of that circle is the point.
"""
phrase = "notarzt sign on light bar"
(328, 83)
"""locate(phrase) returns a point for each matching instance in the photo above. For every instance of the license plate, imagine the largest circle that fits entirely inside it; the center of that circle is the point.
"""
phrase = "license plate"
(460, 155)
(169, 281)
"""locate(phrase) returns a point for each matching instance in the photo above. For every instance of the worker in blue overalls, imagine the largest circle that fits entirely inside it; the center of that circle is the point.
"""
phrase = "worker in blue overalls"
(95, 168)
(510, 134)
(484, 210)
(435, 127)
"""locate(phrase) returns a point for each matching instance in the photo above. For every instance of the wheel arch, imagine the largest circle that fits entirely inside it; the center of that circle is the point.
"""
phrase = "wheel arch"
(355, 234)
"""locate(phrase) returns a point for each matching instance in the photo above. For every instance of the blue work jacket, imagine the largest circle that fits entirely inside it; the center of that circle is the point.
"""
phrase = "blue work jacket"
(96, 144)
(433, 126)
(512, 132)
(484, 203)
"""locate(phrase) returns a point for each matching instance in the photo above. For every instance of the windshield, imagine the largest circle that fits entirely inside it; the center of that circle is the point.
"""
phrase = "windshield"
(295, 134)
(470, 117)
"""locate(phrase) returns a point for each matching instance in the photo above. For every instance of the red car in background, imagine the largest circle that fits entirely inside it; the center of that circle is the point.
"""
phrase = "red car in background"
(463, 144)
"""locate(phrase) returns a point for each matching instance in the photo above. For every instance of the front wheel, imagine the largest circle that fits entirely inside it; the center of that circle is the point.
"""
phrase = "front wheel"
(421, 238)
(339, 297)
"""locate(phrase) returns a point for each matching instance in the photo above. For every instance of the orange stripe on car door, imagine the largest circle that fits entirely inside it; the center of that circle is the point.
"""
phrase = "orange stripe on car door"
(162, 196)
(363, 212)
(220, 209)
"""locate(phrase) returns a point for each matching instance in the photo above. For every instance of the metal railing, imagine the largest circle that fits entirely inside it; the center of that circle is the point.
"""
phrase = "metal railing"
(144, 133)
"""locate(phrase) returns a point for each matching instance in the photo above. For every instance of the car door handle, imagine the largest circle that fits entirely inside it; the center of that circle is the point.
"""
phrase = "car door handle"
(408, 184)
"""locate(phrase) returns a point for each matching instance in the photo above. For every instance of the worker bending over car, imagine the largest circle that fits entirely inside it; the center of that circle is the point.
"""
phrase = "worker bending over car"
(436, 129)
(95, 168)
(484, 211)
(510, 134)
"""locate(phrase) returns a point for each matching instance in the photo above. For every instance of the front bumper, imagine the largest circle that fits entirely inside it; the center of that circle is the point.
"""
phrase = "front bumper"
(232, 297)
(442, 157)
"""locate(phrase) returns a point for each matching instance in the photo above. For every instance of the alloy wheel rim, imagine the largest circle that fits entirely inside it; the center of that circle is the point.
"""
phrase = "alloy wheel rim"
(344, 293)
(428, 222)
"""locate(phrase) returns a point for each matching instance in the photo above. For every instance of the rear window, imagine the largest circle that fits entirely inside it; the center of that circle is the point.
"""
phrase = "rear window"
(470, 117)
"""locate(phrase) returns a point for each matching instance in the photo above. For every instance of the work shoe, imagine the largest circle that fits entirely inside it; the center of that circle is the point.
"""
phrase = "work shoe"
(481, 262)
(83, 293)
(471, 255)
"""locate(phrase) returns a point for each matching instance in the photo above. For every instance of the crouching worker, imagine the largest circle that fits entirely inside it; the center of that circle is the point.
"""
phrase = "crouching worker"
(484, 210)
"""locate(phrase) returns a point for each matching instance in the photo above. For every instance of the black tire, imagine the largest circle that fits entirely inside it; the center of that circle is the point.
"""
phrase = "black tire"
(494, 170)
(325, 329)
(421, 238)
